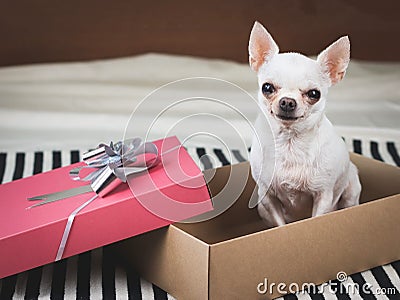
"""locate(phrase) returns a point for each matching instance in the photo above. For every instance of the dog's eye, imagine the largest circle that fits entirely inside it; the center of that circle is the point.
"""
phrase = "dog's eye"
(314, 94)
(267, 89)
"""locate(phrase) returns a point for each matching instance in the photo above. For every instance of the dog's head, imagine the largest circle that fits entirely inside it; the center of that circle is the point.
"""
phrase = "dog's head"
(292, 86)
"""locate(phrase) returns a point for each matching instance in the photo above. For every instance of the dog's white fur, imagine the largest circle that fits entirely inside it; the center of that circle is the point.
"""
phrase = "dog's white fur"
(313, 173)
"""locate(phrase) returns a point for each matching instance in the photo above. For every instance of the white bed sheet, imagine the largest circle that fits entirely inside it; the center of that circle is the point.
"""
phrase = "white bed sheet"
(77, 105)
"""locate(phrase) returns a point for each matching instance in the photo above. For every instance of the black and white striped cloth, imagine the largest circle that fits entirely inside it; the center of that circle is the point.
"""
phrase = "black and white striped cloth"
(97, 274)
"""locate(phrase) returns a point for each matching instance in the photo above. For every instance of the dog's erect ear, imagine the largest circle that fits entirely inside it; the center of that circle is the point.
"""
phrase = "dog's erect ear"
(261, 46)
(335, 59)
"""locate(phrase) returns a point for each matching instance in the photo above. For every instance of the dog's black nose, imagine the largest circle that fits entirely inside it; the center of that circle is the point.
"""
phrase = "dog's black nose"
(287, 104)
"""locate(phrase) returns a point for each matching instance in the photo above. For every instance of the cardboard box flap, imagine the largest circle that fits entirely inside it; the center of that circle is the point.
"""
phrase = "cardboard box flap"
(230, 187)
(378, 179)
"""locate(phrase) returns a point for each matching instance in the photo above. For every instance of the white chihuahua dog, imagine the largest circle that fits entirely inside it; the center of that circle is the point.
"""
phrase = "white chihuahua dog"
(313, 173)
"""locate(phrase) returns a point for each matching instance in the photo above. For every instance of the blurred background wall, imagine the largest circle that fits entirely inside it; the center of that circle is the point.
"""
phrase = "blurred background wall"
(50, 31)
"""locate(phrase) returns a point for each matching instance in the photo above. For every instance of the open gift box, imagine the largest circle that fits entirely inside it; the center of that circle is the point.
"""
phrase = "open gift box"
(172, 190)
(233, 256)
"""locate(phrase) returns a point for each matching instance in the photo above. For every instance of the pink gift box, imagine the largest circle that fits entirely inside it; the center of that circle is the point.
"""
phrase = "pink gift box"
(172, 191)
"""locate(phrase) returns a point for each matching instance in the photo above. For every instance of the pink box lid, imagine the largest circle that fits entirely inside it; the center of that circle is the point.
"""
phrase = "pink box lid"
(172, 191)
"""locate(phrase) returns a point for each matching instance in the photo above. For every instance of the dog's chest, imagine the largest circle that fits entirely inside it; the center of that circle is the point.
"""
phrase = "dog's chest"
(295, 182)
(297, 169)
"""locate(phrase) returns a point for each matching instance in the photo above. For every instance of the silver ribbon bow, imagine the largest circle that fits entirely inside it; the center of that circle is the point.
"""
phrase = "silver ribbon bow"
(112, 164)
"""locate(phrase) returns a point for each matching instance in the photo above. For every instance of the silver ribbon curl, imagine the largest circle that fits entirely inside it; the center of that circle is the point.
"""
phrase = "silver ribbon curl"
(112, 164)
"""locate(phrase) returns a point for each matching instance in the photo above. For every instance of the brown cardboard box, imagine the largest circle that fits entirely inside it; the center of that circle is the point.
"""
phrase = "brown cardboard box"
(230, 256)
